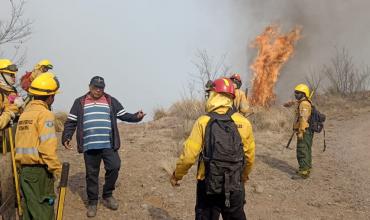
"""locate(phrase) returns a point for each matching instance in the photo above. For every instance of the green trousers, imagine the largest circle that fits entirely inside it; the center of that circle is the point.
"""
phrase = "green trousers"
(37, 185)
(304, 152)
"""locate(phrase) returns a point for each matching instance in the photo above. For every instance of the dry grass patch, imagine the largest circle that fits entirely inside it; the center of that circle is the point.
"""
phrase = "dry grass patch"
(159, 113)
(60, 119)
(189, 109)
(275, 118)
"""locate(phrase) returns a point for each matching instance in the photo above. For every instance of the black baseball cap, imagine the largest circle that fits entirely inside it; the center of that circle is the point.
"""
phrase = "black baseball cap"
(97, 81)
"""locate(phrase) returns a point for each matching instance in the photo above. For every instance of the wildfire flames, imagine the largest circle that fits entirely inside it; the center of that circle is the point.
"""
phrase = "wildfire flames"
(274, 49)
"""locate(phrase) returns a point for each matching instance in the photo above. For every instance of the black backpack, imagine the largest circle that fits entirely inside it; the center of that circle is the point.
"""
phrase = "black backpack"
(316, 120)
(223, 156)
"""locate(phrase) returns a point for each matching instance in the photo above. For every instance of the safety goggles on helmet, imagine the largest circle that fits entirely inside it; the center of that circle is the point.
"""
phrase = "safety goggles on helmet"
(48, 67)
(12, 68)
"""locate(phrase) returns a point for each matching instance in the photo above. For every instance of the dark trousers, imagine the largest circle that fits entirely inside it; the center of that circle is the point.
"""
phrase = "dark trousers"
(209, 207)
(37, 185)
(112, 164)
(304, 152)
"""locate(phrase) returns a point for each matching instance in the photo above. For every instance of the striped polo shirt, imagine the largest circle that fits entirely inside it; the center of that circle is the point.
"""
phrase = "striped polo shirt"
(97, 126)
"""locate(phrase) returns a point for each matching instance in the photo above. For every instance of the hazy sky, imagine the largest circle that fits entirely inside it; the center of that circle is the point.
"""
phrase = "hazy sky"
(145, 48)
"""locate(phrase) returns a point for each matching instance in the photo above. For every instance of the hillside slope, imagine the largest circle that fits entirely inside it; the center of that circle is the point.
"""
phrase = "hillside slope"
(339, 187)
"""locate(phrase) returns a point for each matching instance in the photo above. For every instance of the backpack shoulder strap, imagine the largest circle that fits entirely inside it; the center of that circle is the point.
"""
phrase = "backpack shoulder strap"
(222, 117)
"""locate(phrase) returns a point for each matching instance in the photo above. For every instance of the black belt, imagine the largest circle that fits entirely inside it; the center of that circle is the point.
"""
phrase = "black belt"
(34, 165)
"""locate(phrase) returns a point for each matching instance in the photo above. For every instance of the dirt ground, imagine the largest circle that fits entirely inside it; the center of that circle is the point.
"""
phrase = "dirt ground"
(339, 187)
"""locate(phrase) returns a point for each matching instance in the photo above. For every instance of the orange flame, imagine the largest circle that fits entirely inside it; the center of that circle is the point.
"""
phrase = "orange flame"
(274, 49)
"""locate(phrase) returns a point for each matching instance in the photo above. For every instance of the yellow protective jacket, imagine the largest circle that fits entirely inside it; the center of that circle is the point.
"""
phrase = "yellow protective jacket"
(193, 145)
(35, 140)
(6, 115)
(240, 102)
(303, 114)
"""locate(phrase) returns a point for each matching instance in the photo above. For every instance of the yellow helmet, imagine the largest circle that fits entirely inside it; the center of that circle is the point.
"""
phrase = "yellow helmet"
(45, 63)
(6, 66)
(45, 84)
(303, 88)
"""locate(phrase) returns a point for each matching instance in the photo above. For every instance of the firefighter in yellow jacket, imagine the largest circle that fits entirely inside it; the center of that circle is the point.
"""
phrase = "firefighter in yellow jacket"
(10, 102)
(36, 145)
(302, 128)
(220, 102)
(41, 67)
(240, 101)
(9, 111)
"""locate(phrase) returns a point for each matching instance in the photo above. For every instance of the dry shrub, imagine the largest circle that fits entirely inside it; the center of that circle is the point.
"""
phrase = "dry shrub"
(159, 113)
(337, 104)
(182, 130)
(275, 118)
(314, 81)
(344, 77)
(189, 109)
(60, 119)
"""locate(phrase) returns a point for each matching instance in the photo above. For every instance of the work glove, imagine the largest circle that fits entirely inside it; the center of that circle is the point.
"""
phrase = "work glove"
(12, 97)
(289, 104)
(13, 110)
(174, 180)
(295, 127)
(300, 135)
(18, 101)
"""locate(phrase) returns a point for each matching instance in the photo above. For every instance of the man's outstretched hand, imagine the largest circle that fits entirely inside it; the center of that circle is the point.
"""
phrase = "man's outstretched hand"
(140, 114)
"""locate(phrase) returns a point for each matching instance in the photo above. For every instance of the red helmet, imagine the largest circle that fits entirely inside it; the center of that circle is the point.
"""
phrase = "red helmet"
(224, 85)
(236, 76)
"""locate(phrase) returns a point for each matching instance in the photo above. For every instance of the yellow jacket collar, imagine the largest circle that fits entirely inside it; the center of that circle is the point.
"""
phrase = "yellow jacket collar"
(38, 103)
(218, 103)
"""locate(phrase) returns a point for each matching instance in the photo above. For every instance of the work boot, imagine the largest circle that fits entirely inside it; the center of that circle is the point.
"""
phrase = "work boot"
(110, 203)
(91, 211)
(304, 174)
(301, 174)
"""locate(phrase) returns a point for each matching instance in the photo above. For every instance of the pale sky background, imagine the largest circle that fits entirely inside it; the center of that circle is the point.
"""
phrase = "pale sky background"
(144, 48)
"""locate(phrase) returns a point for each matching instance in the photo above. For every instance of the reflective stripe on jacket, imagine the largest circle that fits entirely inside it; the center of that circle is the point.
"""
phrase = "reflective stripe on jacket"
(35, 140)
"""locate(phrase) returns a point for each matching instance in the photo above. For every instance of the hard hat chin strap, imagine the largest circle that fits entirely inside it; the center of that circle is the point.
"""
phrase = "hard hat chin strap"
(5, 83)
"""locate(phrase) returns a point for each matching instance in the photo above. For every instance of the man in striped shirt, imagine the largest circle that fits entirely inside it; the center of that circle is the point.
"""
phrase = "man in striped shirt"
(95, 117)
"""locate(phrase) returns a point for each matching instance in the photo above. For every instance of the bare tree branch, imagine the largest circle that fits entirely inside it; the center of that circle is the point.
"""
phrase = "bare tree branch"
(207, 69)
(15, 31)
(314, 80)
(344, 77)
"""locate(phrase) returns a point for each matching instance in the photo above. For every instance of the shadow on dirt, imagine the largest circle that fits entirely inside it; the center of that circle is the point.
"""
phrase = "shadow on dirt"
(159, 214)
(275, 163)
(77, 185)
